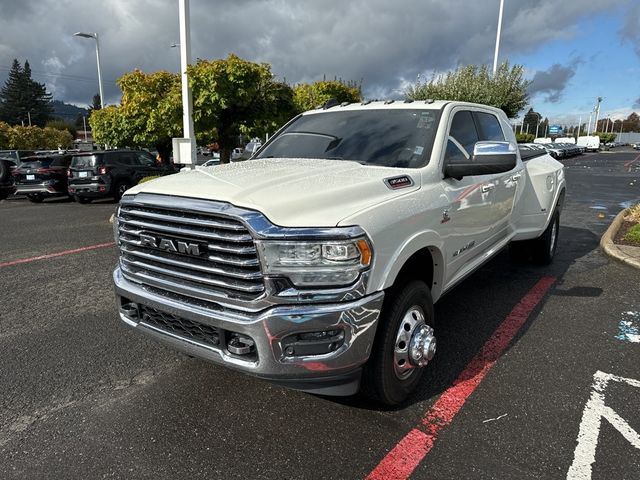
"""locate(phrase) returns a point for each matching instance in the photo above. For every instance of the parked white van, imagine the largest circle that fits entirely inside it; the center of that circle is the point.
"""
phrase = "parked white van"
(590, 142)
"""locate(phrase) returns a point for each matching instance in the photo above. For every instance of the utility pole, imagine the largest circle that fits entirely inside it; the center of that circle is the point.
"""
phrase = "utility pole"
(579, 127)
(597, 109)
(84, 123)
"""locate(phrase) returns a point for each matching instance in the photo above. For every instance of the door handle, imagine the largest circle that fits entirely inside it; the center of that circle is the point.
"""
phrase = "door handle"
(487, 187)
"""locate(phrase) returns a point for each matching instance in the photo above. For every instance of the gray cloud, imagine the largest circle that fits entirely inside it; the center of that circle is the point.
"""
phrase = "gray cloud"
(636, 104)
(383, 43)
(630, 31)
(552, 82)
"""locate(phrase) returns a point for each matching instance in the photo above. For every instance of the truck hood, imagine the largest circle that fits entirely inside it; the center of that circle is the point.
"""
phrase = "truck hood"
(290, 192)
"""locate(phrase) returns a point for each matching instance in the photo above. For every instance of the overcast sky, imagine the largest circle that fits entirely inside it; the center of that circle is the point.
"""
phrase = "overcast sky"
(573, 50)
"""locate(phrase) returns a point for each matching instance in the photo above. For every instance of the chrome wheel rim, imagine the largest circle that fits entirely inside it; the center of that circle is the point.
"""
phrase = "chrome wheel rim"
(415, 343)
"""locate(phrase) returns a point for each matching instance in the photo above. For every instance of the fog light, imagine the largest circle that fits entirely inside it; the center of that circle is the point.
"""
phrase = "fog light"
(312, 343)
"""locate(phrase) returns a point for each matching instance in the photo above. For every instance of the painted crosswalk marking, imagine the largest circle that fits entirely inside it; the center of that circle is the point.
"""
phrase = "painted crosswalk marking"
(594, 411)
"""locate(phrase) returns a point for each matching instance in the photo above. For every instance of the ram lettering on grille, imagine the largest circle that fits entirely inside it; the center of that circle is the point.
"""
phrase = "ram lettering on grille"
(170, 245)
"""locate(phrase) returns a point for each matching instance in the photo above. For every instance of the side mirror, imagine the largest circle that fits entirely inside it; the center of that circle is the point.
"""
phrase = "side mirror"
(488, 157)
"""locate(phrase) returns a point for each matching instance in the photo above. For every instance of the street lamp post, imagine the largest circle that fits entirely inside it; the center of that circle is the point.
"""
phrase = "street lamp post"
(95, 37)
(495, 55)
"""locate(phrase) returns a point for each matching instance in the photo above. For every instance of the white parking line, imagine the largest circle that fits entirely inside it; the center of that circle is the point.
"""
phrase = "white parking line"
(594, 411)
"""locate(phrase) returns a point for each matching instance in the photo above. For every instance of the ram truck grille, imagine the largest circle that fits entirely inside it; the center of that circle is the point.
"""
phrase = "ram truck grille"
(196, 255)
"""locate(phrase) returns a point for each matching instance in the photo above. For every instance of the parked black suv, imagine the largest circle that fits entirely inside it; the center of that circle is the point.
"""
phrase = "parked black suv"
(109, 173)
(42, 176)
(7, 186)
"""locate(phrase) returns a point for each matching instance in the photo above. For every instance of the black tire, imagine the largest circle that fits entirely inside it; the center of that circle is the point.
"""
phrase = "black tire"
(5, 171)
(520, 252)
(380, 381)
(81, 199)
(543, 248)
(35, 198)
(119, 190)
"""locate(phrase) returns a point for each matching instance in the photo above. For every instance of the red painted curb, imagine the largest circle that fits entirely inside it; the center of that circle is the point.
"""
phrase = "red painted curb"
(407, 454)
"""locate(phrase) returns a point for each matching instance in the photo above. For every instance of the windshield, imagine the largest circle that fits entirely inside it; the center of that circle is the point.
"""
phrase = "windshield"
(382, 137)
(85, 161)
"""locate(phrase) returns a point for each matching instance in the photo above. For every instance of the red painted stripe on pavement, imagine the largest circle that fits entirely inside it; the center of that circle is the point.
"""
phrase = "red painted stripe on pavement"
(58, 254)
(407, 454)
(631, 162)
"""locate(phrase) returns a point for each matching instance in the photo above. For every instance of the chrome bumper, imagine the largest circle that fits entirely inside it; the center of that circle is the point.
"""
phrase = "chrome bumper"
(335, 373)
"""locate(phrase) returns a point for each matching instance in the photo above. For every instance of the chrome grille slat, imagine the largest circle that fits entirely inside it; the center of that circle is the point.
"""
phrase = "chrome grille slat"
(250, 275)
(187, 232)
(227, 271)
(194, 278)
(226, 260)
(200, 222)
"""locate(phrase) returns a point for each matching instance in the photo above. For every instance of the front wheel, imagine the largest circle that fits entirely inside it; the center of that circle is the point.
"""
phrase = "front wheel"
(405, 343)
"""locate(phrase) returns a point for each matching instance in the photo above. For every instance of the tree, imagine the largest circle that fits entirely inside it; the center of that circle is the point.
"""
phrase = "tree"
(531, 121)
(150, 113)
(506, 89)
(233, 95)
(95, 104)
(307, 96)
(230, 96)
(60, 124)
(22, 99)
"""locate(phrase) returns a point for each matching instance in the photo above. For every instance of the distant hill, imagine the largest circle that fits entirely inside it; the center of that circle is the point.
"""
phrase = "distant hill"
(67, 111)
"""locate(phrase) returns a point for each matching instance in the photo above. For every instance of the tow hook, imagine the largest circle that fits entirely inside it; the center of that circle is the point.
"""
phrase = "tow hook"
(240, 345)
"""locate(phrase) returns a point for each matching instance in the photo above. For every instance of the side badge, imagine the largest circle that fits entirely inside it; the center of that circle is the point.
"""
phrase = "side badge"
(445, 216)
(396, 183)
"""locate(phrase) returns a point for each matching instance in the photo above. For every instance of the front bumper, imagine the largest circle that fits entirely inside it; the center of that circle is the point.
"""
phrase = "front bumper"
(335, 373)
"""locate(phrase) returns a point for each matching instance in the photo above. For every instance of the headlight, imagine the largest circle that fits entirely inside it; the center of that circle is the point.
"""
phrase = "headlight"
(316, 263)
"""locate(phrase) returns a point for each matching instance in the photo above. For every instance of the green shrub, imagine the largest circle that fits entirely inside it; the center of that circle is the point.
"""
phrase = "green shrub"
(525, 137)
(633, 234)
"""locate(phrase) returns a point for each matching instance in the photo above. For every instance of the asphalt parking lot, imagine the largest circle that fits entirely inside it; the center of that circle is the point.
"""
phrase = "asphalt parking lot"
(83, 397)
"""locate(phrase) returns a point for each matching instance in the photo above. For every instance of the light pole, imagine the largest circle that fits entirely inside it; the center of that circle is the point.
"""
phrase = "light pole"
(95, 37)
(495, 55)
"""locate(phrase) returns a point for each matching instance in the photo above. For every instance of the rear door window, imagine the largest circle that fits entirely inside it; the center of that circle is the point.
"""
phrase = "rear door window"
(488, 126)
(146, 159)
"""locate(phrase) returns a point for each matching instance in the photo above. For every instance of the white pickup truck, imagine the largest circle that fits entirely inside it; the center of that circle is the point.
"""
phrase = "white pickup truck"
(316, 263)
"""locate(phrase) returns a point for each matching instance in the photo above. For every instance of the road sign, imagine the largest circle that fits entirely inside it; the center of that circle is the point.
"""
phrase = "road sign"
(555, 129)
